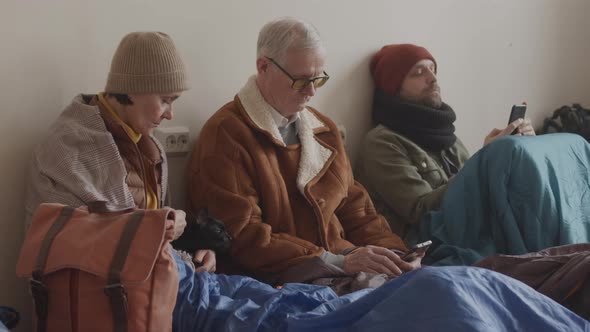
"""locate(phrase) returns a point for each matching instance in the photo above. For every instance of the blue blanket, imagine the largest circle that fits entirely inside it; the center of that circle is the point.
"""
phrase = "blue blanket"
(516, 195)
(430, 299)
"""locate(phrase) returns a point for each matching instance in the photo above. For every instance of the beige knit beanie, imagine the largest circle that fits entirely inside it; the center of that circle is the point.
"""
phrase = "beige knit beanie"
(147, 62)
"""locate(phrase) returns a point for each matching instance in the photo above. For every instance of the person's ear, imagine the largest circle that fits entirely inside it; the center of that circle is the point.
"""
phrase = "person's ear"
(262, 65)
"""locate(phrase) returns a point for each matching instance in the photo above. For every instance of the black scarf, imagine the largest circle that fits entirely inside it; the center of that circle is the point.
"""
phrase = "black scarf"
(431, 128)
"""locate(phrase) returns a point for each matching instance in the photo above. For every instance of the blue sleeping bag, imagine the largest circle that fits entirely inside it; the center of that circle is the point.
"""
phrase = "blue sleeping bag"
(430, 299)
(516, 195)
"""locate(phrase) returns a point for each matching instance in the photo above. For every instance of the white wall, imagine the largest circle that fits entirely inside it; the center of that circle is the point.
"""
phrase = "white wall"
(491, 54)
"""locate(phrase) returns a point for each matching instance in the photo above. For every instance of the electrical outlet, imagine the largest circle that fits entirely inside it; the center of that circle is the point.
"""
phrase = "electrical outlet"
(170, 143)
(174, 139)
(182, 142)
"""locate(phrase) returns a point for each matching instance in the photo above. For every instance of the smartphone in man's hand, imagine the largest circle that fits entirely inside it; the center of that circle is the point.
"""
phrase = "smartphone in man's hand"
(416, 250)
(517, 112)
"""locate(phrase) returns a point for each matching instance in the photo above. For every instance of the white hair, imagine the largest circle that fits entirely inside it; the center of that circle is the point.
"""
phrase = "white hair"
(277, 37)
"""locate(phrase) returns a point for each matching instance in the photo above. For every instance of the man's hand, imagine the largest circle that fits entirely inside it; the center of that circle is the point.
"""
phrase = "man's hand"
(205, 260)
(179, 223)
(523, 128)
(413, 265)
(378, 260)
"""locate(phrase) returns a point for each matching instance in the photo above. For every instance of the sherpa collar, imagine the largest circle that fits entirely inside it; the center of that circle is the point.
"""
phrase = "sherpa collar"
(314, 155)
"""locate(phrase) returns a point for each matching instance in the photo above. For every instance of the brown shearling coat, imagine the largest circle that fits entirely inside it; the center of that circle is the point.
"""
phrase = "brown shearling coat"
(281, 204)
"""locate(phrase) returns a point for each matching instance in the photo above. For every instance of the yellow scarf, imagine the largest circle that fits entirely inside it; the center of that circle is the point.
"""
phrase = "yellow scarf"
(151, 198)
(135, 137)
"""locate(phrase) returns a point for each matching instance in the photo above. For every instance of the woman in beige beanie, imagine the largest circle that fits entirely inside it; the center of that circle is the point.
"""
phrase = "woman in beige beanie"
(101, 147)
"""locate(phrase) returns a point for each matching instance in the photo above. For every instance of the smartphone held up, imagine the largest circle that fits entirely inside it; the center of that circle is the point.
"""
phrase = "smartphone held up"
(517, 112)
(416, 250)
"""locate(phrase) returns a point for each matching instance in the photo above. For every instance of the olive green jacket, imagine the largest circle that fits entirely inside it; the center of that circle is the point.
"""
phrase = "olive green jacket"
(404, 180)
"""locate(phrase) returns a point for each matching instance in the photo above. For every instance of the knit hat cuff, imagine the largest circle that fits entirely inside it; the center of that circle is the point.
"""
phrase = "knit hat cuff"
(147, 83)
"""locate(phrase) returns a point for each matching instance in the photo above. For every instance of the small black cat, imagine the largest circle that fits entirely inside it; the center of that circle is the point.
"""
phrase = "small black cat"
(203, 232)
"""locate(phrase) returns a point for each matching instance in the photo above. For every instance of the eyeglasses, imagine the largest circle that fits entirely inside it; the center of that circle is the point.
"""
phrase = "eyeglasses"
(302, 83)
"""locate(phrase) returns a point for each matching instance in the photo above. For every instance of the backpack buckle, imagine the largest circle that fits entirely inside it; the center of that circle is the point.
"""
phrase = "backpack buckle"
(114, 289)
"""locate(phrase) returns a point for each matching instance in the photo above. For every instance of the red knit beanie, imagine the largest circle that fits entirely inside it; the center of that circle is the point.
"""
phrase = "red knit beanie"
(392, 63)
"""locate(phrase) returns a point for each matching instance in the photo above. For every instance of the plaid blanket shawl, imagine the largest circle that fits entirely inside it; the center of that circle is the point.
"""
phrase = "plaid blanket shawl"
(79, 163)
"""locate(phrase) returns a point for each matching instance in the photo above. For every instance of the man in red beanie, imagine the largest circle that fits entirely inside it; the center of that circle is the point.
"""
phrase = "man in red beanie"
(407, 160)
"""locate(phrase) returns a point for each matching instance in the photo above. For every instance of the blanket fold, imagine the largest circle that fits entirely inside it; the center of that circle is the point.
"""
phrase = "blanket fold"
(516, 195)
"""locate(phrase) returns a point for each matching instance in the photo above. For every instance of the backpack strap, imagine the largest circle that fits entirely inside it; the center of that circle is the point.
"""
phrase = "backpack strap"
(38, 290)
(114, 289)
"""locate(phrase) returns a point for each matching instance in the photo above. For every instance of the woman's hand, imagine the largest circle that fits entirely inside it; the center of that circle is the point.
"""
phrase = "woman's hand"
(205, 260)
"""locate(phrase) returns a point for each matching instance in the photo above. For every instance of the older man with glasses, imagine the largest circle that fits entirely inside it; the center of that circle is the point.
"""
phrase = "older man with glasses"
(275, 171)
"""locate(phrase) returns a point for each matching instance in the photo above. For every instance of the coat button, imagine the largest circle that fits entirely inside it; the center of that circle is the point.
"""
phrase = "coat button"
(423, 164)
(321, 202)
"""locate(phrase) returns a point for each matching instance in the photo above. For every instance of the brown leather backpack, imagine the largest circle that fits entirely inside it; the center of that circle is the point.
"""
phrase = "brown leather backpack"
(100, 271)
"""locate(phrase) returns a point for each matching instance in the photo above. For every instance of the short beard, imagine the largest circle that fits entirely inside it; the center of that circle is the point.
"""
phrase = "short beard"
(430, 101)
